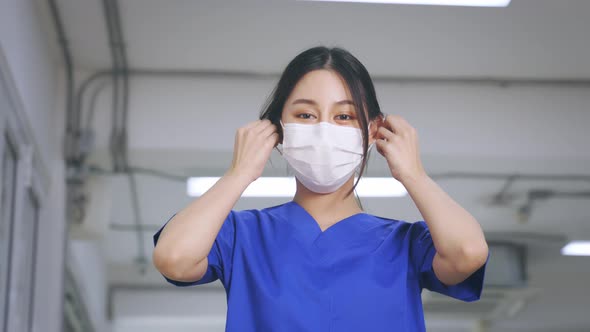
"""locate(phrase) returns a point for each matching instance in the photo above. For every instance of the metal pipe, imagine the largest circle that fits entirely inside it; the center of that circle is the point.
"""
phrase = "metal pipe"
(463, 80)
(118, 141)
(71, 132)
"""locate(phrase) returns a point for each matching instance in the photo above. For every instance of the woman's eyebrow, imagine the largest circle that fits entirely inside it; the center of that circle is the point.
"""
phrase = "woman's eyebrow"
(345, 102)
(304, 101)
(312, 102)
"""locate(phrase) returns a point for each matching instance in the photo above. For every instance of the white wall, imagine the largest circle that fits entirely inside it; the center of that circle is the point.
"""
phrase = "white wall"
(452, 119)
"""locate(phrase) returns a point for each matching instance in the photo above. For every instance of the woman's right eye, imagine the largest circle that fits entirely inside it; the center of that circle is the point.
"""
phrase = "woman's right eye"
(304, 116)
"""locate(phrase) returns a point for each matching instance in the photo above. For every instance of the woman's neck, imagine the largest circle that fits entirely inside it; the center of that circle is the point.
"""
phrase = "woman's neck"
(328, 208)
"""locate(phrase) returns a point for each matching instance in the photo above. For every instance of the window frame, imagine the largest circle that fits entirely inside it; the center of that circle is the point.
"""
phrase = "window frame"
(30, 182)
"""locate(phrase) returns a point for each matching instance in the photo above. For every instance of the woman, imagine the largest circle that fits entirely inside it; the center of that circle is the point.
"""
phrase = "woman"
(318, 262)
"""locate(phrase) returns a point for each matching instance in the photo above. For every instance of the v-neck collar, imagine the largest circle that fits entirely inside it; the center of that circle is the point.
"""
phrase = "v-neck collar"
(335, 236)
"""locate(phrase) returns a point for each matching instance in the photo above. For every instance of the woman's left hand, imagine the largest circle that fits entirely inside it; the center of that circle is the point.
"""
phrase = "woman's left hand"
(398, 142)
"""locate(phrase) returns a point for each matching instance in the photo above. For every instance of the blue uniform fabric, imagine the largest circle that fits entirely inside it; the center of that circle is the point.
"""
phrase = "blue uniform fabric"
(364, 273)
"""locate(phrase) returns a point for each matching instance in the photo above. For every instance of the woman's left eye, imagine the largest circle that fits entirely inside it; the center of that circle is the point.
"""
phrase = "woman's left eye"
(344, 117)
(304, 116)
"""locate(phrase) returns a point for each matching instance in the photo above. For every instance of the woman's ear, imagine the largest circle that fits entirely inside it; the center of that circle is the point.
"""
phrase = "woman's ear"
(373, 127)
(279, 127)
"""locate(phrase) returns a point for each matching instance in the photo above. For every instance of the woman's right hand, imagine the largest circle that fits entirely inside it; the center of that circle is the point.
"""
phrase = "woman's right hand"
(253, 144)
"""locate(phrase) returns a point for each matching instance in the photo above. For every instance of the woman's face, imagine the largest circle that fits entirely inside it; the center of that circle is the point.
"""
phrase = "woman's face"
(320, 96)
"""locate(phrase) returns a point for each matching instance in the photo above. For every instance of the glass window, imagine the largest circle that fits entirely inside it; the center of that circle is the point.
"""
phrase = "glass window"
(20, 239)
(24, 265)
(21, 287)
(7, 194)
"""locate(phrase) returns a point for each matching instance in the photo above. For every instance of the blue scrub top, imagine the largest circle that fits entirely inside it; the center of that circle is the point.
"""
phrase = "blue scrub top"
(364, 273)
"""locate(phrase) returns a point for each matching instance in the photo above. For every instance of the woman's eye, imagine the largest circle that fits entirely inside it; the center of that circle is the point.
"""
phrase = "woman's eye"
(344, 117)
(304, 116)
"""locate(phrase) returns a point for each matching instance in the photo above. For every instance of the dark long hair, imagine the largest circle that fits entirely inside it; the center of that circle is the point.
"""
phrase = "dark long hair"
(351, 70)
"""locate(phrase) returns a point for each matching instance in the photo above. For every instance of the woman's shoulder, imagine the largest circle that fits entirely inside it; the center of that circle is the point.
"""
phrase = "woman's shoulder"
(386, 220)
(399, 224)
(253, 215)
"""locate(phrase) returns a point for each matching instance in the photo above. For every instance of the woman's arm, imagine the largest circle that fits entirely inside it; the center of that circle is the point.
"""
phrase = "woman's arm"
(183, 246)
(458, 238)
(460, 244)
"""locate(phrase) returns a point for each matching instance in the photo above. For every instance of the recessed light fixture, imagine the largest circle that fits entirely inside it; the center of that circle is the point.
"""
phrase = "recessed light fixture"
(468, 3)
(285, 187)
(576, 248)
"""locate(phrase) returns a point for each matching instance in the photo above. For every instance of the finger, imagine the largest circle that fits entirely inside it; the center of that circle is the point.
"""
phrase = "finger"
(387, 123)
(381, 146)
(268, 131)
(251, 124)
(272, 140)
(246, 128)
(384, 133)
(398, 124)
(262, 125)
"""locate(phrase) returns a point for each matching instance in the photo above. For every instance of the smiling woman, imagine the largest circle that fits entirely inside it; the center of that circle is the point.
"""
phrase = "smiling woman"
(319, 262)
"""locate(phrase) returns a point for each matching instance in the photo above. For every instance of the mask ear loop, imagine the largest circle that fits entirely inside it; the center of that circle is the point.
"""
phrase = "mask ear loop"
(358, 170)
(383, 116)
(280, 143)
(369, 132)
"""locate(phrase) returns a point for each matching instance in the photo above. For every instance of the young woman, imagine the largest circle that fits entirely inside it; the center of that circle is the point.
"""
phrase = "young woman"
(318, 262)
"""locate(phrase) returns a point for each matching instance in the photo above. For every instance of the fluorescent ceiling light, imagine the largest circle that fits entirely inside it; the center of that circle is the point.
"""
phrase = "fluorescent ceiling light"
(576, 248)
(262, 187)
(470, 3)
(380, 187)
(285, 187)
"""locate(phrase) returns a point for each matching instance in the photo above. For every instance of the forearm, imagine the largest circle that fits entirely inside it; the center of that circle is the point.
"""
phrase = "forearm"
(189, 235)
(457, 236)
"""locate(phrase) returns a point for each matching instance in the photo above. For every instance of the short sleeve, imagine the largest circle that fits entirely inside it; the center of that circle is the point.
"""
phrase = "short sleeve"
(219, 257)
(423, 252)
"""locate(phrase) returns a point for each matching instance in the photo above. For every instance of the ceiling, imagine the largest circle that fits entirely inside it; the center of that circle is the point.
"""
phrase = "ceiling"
(541, 39)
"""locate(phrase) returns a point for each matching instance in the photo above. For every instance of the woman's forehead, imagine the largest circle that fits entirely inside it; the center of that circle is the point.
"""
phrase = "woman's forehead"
(322, 86)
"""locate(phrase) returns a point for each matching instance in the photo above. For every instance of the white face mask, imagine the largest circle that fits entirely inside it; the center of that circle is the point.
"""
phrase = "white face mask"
(322, 156)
